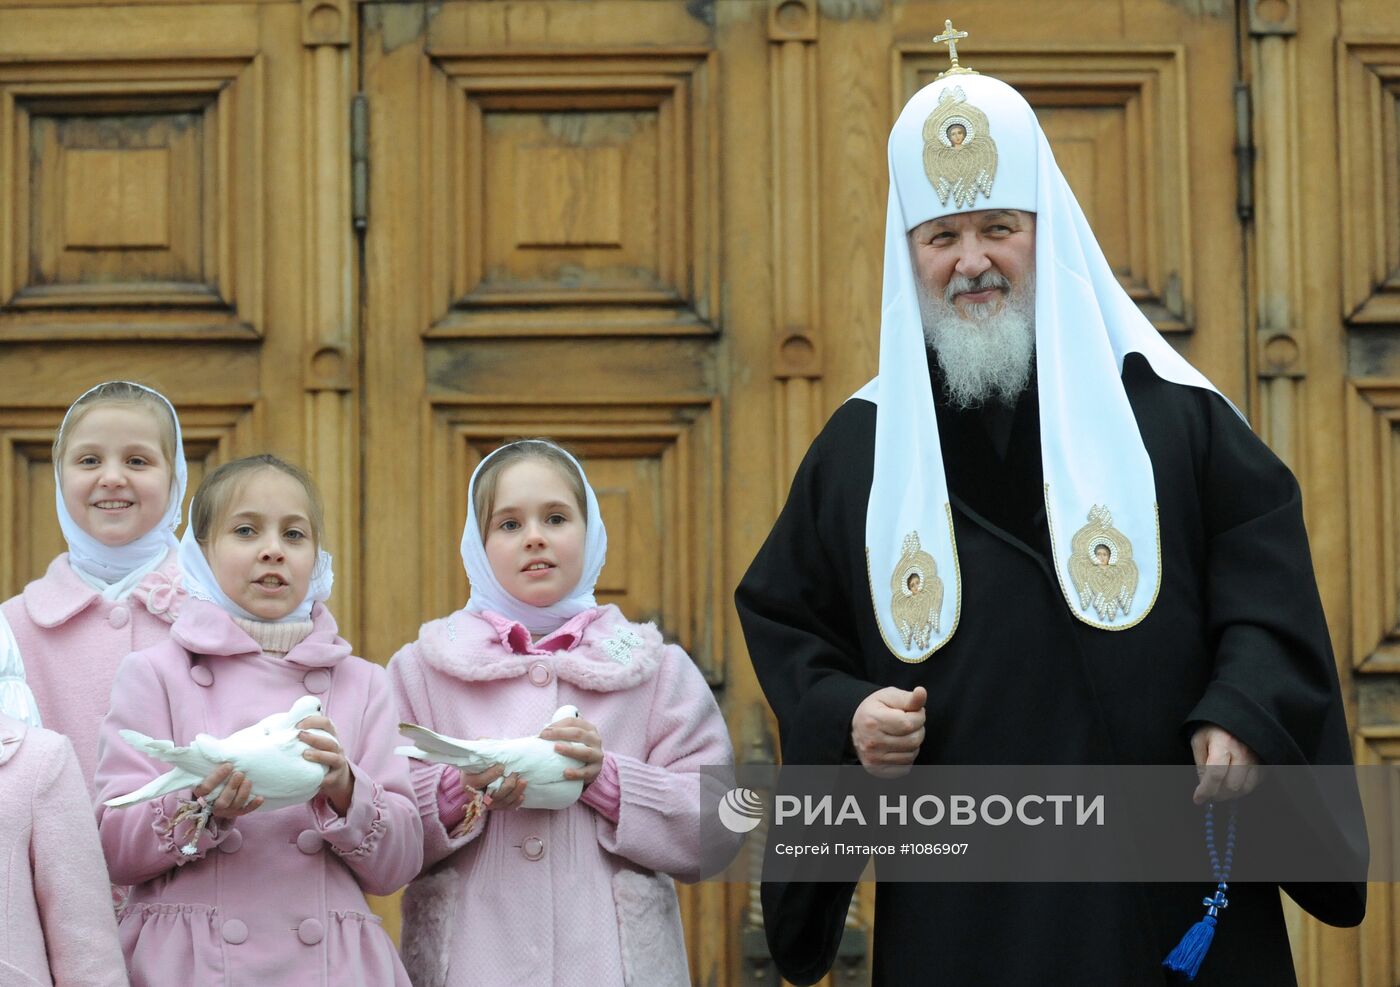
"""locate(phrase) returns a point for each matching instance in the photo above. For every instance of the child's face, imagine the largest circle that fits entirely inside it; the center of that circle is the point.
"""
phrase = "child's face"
(535, 535)
(114, 477)
(262, 550)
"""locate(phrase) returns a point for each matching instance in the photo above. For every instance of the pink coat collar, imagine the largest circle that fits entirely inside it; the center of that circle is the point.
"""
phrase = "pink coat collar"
(60, 595)
(11, 736)
(515, 636)
(205, 629)
(611, 654)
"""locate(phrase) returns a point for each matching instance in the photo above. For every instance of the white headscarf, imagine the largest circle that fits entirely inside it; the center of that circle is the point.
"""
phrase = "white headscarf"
(16, 698)
(1091, 451)
(112, 563)
(486, 590)
(201, 584)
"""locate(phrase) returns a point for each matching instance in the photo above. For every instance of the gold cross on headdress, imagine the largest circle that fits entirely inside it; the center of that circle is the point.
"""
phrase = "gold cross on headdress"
(951, 38)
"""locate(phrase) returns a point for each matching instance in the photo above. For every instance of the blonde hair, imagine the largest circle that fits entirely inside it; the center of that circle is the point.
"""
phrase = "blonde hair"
(540, 450)
(217, 490)
(118, 392)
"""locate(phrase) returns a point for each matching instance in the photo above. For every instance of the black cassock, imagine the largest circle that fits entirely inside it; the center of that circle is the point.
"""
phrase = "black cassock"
(1236, 637)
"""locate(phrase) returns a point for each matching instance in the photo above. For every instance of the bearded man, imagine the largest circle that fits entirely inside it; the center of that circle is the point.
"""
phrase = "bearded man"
(1111, 569)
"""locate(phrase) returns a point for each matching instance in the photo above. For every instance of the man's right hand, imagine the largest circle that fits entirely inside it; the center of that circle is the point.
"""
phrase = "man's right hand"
(888, 730)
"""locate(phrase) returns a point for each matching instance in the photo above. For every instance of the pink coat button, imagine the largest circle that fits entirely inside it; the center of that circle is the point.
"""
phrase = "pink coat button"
(118, 616)
(540, 674)
(310, 931)
(309, 841)
(533, 848)
(316, 680)
(202, 675)
(234, 932)
(232, 841)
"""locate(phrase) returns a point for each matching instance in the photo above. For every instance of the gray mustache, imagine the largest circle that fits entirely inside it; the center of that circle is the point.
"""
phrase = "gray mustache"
(987, 279)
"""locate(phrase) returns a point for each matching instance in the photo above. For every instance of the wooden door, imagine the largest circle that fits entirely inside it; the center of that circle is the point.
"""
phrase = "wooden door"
(163, 217)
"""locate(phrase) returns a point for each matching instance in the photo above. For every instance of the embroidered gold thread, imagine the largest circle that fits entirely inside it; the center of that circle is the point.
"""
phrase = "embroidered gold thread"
(1101, 566)
(893, 648)
(960, 157)
(916, 594)
(1065, 589)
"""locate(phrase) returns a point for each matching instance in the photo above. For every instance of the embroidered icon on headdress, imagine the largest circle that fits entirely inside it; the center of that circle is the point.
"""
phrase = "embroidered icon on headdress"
(1101, 566)
(916, 594)
(960, 157)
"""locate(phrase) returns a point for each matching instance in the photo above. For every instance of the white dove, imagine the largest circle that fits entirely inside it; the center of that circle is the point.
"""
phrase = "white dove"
(535, 760)
(268, 753)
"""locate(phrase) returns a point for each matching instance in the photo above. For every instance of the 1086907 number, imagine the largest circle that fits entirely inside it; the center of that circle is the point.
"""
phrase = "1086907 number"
(938, 849)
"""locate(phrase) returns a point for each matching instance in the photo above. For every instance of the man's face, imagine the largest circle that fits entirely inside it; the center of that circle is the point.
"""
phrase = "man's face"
(961, 248)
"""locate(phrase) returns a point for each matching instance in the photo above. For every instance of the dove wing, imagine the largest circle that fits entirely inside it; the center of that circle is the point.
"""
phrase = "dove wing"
(475, 755)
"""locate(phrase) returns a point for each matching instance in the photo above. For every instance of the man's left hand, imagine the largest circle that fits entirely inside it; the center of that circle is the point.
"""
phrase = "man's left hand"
(1226, 767)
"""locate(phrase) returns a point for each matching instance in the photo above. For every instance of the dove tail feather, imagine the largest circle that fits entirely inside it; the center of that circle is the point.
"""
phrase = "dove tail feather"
(172, 781)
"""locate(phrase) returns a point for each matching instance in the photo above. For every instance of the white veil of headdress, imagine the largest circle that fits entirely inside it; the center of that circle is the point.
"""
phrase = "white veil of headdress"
(486, 590)
(1091, 450)
(112, 563)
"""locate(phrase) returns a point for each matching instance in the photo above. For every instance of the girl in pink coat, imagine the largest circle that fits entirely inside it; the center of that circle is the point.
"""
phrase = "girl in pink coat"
(55, 910)
(274, 897)
(580, 895)
(119, 477)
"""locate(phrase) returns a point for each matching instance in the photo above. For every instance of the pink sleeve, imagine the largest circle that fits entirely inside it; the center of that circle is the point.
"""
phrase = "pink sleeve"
(411, 693)
(661, 796)
(604, 794)
(70, 878)
(452, 798)
(380, 838)
(141, 841)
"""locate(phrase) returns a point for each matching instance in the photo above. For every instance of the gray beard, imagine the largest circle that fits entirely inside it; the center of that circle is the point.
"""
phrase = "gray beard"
(984, 356)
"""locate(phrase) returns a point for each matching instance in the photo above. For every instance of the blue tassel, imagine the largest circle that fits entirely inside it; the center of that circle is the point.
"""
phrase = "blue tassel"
(1188, 955)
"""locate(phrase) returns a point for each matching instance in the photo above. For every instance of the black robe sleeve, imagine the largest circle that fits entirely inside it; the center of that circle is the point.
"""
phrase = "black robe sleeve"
(795, 614)
(1275, 684)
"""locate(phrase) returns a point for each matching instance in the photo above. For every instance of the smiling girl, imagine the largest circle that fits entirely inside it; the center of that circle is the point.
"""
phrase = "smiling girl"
(119, 474)
(579, 895)
(281, 901)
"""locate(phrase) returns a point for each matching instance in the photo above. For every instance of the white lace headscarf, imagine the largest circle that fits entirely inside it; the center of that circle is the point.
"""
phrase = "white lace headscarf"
(111, 564)
(486, 590)
(1091, 450)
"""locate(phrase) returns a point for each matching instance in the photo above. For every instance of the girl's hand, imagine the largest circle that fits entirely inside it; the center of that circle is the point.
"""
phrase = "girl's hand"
(583, 744)
(237, 798)
(339, 783)
(508, 796)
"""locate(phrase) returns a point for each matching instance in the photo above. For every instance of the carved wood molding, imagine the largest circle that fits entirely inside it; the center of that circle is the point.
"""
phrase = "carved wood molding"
(572, 193)
(1368, 142)
(1373, 456)
(133, 199)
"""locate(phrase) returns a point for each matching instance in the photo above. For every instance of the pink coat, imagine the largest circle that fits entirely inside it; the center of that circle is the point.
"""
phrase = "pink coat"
(273, 897)
(71, 641)
(56, 922)
(530, 897)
